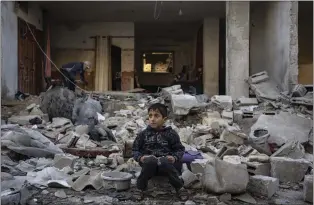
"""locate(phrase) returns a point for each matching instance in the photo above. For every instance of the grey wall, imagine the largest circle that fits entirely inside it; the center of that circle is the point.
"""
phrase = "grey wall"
(9, 50)
(274, 41)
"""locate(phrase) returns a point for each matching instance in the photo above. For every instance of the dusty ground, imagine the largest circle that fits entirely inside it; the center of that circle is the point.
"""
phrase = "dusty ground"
(283, 196)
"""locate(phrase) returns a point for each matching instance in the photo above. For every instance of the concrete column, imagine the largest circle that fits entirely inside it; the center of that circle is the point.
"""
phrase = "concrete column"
(211, 56)
(102, 65)
(237, 48)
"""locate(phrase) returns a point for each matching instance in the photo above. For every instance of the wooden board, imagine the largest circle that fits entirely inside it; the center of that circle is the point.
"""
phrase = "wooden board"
(63, 56)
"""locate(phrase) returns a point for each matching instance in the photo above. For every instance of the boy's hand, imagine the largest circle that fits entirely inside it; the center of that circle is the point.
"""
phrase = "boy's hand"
(142, 159)
(171, 159)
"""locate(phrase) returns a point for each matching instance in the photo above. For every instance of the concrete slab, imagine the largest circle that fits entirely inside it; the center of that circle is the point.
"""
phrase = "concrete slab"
(284, 127)
(288, 170)
(263, 185)
(87, 180)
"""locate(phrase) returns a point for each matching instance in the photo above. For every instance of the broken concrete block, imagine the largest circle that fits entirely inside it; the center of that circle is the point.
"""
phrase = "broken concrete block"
(60, 194)
(284, 127)
(293, 150)
(243, 101)
(246, 198)
(61, 161)
(101, 160)
(128, 148)
(263, 185)
(223, 177)
(36, 111)
(25, 120)
(223, 101)
(198, 166)
(231, 134)
(259, 158)
(182, 104)
(308, 188)
(227, 115)
(237, 116)
(175, 89)
(258, 77)
(288, 170)
(257, 168)
(298, 91)
(189, 178)
(233, 159)
(225, 197)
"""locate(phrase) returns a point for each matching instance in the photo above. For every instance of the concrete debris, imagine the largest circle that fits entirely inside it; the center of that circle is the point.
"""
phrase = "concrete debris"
(25, 120)
(296, 172)
(224, 153)
(258, 77)
(225, 177)
(60, 194)
(263, 185)
(247, 198)
(182, 104)
(292, 149)
(283, 128)
(308, 188)
(223, 101)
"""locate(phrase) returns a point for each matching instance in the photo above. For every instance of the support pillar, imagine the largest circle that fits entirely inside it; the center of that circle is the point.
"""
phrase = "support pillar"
(237, 48)
(211, 56)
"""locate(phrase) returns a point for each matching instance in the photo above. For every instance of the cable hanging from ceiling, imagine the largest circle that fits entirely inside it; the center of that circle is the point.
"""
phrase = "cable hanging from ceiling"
(156, 16)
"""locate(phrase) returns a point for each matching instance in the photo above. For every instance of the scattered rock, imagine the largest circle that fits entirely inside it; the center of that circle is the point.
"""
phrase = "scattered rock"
(263, 185)
(308, 188)
(60, 194)
(295, 173)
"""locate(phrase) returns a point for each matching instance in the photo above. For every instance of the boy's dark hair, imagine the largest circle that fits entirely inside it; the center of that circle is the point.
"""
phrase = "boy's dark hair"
(160, 107)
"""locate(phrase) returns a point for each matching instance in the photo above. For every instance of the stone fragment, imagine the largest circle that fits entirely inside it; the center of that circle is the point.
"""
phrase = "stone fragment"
(198, 166)
(257, 168)
(288, 170)
(61, 161)
(259, 158)
(263, 185)
(292, 149)
(25, 120)
(182, 104)
(233, 135)
(258, 78)
(308, 188)
(225, 197)
(243, 101)
(223, 101)
(100, 159)
(189, 203)
(60, 194)
(233, 159)
(246, 198)
(299, 91)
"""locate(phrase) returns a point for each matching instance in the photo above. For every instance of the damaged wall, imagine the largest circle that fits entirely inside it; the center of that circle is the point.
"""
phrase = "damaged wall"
(274, 41)
(9, 45)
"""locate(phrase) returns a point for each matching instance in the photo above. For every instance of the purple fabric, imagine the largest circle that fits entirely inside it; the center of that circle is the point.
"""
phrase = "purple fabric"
(190, 156)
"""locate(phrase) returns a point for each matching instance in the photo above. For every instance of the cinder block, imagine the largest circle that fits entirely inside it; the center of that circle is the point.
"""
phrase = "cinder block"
(263, 185)
(257, 168)
(308, 188)
(288, 170)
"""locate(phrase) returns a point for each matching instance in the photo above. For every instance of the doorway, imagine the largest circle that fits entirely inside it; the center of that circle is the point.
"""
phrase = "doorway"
(116, 67)
(222, 56)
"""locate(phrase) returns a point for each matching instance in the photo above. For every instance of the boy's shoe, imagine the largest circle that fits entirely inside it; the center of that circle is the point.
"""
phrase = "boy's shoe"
(138, 195)
(183, 194)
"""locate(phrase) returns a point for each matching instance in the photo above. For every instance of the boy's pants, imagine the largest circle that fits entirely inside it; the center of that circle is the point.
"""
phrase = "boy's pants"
(151, 168)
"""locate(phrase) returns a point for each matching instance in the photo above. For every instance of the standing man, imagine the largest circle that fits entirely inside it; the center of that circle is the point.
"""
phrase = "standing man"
(70, 70)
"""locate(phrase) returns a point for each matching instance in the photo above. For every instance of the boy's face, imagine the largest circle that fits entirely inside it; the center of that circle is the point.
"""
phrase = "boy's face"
(156, 120)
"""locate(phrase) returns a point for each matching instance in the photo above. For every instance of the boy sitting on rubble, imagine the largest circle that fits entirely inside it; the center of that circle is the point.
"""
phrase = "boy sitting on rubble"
(159, 151)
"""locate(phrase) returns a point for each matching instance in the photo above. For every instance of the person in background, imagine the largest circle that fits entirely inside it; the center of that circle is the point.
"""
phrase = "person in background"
(117, 80)
(181, 76)
(70, 70)
(158, 150)
(199, 80)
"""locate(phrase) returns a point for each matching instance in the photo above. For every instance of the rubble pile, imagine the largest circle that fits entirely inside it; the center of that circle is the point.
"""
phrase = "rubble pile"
(88, 143)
